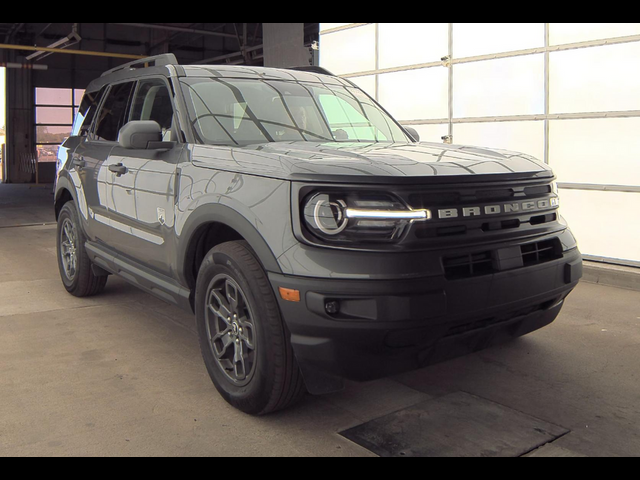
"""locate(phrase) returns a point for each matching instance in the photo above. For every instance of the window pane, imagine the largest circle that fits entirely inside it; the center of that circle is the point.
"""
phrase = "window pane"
(112, 114)
(152, 102)
(53, 96)
(471, 39)
(524, 137)
(242, 112)
(348, 51)
(51, 134)
(87, 111)
(77, 97)
(411, 43)
(507, 86)
(54, 115)
(600, 151)
(595, 79)
(594, 216)
(560, 33)
(47, 153)
(415, 94)
(343, 117)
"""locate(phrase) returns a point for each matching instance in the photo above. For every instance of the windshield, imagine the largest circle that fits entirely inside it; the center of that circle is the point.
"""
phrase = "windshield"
(226, 111)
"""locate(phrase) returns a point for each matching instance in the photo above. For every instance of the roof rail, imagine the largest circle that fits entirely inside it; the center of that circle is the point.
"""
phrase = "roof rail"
(313, 69)
(155, 61)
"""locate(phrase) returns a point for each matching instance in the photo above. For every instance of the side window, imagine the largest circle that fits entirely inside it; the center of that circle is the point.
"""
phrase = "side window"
(113, 112)
(87, 112)
(153, 102)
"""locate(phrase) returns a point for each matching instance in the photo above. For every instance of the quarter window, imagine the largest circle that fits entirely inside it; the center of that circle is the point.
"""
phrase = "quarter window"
(87, 112)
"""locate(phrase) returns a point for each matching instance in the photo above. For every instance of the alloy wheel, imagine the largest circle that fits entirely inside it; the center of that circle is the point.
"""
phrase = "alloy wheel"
(230, 330)
(68, 249)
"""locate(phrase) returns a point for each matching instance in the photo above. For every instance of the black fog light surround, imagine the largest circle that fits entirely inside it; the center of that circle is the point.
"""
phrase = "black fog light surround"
(359, 217)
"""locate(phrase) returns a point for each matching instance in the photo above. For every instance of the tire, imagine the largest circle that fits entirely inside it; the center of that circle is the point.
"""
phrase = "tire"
(248, 356)
(73, 262)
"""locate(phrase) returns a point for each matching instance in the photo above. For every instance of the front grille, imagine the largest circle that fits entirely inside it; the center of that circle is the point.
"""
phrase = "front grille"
(474, 195)
(484, 263)
(480, 213)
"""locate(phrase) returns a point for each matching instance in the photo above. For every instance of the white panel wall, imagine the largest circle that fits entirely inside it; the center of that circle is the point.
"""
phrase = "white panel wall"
(566, 93)
(502, 87)
(473, 39)
(409, 43)
(397, 93)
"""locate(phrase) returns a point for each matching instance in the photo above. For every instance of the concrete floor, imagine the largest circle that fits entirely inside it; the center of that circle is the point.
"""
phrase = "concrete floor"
(121, 374)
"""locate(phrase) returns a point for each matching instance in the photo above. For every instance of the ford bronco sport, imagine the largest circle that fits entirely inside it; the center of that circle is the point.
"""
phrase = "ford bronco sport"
(314, 237)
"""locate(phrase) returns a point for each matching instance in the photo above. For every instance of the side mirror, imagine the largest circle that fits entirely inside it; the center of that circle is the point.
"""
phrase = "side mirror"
(413, 132)
(143, 135)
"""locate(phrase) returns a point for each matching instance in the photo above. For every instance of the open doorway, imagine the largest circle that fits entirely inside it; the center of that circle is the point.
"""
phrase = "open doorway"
(3, 123)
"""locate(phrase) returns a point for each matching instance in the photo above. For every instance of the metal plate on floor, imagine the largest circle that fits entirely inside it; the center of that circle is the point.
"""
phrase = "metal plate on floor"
(455, 425)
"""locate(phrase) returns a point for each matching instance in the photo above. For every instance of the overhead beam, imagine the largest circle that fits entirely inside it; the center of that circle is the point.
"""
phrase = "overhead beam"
(178, 29)
(69, 51)
(229, 55)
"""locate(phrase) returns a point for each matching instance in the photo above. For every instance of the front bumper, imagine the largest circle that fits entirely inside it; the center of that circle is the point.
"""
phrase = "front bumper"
(385, 327)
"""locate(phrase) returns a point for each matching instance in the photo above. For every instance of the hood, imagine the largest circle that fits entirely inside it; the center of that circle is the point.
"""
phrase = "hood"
(371, 162)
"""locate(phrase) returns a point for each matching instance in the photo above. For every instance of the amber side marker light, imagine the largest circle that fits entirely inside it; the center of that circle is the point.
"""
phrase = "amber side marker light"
(289, 294)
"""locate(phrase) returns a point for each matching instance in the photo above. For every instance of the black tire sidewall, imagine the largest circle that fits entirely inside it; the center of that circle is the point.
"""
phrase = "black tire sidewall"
(85, 282)
(69, 211)
(253, 397)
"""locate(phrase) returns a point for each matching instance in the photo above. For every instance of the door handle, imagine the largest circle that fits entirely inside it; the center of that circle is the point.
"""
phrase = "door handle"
(118, 169)
(79, 162)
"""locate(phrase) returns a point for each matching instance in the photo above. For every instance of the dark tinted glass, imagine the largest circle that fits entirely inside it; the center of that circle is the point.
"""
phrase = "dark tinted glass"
(153, 102)
(87, 111)
(113, 112)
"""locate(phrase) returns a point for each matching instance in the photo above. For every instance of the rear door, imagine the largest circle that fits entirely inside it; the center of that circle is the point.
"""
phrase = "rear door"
(99, 113)
(81, 157)
(93, 154)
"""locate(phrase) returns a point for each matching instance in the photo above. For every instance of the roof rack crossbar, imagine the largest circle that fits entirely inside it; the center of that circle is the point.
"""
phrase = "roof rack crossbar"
(155, 61)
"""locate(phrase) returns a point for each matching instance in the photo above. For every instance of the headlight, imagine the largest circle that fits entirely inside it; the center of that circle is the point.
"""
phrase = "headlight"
(358, 217)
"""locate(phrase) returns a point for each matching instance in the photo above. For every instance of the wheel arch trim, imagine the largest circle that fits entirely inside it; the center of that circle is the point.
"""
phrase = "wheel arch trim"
(218, 213)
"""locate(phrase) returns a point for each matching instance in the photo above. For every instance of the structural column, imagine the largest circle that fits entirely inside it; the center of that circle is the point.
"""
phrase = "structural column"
(20, 152)
(284, 45)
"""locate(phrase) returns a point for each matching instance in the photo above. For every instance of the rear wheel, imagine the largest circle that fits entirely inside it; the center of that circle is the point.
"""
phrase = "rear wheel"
(244, 342)
(73, 262)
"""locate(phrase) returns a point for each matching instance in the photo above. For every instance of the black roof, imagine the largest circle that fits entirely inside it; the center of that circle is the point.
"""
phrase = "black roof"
(163, 64)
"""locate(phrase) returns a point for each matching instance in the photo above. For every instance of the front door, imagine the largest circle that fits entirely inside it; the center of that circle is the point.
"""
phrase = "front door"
(142, 204)
(142, 184)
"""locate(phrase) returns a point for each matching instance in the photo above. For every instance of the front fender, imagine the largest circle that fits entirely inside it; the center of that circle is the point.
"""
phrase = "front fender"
(209, 213)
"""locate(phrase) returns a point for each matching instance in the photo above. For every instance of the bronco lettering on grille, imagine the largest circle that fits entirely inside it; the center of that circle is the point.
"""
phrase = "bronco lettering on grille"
(527, 206)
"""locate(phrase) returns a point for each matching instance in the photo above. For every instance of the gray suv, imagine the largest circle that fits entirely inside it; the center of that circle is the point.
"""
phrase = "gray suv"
(314, 237)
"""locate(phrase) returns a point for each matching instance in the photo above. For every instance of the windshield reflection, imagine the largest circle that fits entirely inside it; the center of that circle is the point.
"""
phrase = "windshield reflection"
(227, 111)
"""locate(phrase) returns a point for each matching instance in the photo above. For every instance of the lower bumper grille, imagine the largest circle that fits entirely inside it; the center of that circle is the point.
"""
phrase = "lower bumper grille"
(484, 263)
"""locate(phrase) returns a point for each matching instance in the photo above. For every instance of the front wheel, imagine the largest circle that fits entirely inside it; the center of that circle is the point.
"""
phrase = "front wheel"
(244, 342)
